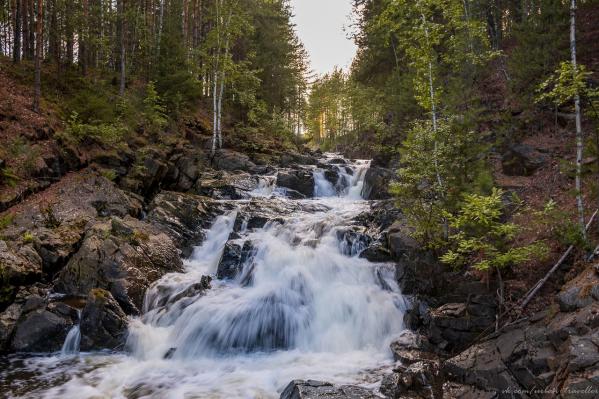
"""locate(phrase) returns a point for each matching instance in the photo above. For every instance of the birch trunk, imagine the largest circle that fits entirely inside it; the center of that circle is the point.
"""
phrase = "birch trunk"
(579, 138)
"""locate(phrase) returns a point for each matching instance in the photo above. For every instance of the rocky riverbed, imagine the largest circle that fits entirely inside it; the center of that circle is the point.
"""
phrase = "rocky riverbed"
(235, 279)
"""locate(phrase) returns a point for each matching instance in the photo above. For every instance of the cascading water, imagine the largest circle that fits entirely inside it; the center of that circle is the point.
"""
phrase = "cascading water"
(303, 305)
(71, 342)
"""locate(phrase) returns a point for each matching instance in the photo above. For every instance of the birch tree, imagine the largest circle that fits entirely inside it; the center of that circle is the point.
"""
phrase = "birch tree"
(229, 23)
(577, 111)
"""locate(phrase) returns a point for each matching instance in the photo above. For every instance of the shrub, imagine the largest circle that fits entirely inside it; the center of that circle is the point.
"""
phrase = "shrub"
(480, 238)
(6, 220)
(437, 167)
(7, 176)
(154, 114)
(103, 133)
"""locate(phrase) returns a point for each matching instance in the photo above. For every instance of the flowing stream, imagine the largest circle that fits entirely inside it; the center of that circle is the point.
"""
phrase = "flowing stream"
(303, 306)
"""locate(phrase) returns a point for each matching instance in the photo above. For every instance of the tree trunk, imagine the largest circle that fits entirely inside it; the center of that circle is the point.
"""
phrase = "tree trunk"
(16, 50)
(214, 112)
(70, 32)
(84, 38)
(579, 138)
(121, 11)
(37, 90)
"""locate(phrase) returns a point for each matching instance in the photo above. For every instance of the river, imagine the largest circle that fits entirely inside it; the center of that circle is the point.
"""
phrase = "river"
(304, 305)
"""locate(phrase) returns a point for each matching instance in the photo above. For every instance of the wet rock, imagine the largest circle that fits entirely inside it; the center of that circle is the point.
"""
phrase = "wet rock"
(377, 253)
(233, 260)
(40, 331)
(310, 389)
(332, 176)
(300, 180)
(231, 161)
(522, 160)
(352, 241)
(410, 347)
(125, 265)
(422, 379)
(224, 185)
(376, 183)
(182, 217)
(337, 161)
(418, 271)
(103, 323)
(8, 321)
(294, 159)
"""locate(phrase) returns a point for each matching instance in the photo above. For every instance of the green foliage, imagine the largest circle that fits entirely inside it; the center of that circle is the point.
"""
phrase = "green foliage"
(17, 146)
(109, 174)
(7, 176)
(566, 83)
(426, 198)
(104, 133)
(481, 239)
(154, 112)
(541, 42)
(6, 220)
(28, 237)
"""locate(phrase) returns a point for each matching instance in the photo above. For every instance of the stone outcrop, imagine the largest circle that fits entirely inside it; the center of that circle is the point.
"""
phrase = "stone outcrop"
(310, 389)
(122, 256)
(522, 160)
(376, 183)
(300, 180)
(103, 323)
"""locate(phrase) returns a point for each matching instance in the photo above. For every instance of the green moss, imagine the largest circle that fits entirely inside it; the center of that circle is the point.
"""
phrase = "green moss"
(109, 174)
(138, 237)
(28, 237)
(6, 220)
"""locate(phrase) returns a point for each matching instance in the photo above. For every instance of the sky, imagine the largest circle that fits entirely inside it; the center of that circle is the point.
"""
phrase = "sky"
(320, 26)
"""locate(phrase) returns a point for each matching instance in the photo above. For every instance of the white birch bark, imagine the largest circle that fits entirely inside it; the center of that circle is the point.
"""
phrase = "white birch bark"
(579, 138)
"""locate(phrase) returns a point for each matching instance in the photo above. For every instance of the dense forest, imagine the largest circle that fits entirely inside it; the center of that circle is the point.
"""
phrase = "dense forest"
(188, 209)
(242, 56)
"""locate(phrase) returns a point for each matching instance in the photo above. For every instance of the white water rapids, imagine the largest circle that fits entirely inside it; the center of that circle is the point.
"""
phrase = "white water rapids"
(305, 306)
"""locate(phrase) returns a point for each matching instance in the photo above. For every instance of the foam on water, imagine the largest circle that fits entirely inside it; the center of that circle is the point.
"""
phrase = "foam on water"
(304, 306)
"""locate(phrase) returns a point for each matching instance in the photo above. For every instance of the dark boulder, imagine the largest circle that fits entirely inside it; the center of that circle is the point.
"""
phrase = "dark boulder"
(376, 183)
(376, 252)
(522, 160)
(233, 260)
(35, 322)
(225, 185)
(337, 161)
(231, 161)
(310, 389)
(103, 323)
(123, 263)
(332, 176)
(40, 331)
(418, 271)
(291, 159)
(183, 217)
(300, 180)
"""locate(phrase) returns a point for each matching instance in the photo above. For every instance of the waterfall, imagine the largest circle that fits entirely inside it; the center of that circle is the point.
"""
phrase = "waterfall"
(73, 338)
(302, 305)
